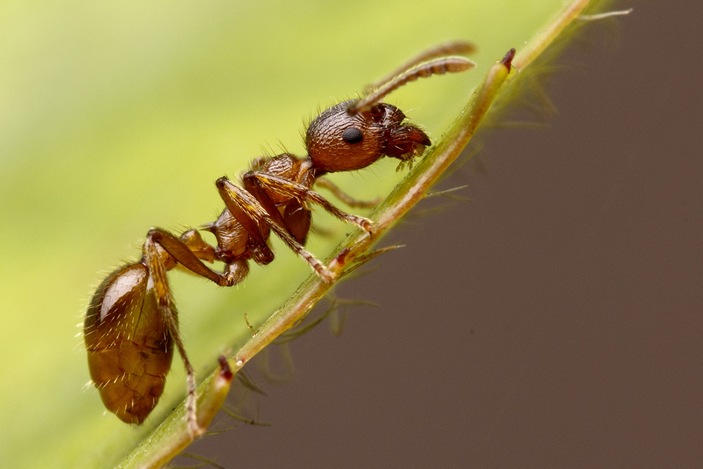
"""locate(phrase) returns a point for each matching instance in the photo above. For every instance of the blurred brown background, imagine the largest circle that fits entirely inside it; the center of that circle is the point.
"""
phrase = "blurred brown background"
(553, 321)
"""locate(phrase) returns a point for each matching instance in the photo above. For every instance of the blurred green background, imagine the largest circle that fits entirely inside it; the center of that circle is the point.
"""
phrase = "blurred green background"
(115, 117)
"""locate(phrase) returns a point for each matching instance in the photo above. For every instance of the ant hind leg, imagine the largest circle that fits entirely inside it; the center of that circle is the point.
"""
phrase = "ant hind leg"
(162, 251)
(167, 309)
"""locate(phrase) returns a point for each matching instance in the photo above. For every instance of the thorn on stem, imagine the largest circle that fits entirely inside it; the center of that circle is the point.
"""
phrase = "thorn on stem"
(507, 59)
(225, 370)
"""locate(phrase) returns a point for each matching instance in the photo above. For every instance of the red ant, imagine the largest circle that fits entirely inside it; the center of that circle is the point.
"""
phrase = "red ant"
(132, 323)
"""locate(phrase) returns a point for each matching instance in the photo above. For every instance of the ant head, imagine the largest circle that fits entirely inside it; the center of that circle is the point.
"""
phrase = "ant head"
(354, 134)
(340, 139)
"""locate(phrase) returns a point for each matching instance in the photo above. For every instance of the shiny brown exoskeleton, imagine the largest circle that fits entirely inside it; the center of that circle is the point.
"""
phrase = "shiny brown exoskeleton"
(131, 324)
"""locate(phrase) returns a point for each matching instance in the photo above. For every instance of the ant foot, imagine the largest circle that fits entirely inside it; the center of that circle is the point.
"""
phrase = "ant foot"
(194, 429)
(363, 223)
(325, 274)
(341, 258)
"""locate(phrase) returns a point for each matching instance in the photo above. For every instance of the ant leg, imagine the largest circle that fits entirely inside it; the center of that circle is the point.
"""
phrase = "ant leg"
(183, 255)
(157, 241)
(242, 203)
(164, 302)
(195, 243)
(344, 197)
(291, 189)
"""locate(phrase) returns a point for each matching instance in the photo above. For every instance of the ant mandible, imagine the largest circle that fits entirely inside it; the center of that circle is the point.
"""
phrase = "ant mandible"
(132, 324)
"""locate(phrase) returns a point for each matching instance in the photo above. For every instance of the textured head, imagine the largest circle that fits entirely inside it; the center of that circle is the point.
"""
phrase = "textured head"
(339, 140)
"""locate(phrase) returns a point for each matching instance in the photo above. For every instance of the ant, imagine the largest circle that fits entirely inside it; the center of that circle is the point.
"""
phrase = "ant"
(131, 324)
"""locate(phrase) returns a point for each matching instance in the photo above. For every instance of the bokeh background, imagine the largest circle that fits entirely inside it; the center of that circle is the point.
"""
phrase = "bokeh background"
(553, 320)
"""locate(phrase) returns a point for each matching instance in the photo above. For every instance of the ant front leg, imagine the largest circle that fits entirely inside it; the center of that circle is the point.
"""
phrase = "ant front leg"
(347, 199)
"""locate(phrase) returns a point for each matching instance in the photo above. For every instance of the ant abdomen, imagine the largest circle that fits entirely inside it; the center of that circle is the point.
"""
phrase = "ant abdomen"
(129, 346)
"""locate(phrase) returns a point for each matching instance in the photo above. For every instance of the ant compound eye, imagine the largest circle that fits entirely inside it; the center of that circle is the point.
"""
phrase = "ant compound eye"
(352, 135)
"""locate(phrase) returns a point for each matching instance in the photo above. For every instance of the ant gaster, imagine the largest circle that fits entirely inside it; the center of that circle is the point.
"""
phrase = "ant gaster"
(131, 324)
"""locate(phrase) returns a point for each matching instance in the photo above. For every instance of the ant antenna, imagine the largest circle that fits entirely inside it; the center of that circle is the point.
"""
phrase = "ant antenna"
(432, 62)
(441, 50)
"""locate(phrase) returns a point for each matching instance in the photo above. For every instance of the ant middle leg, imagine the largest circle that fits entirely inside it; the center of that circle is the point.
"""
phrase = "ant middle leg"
(259, 182)
(249, 210)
